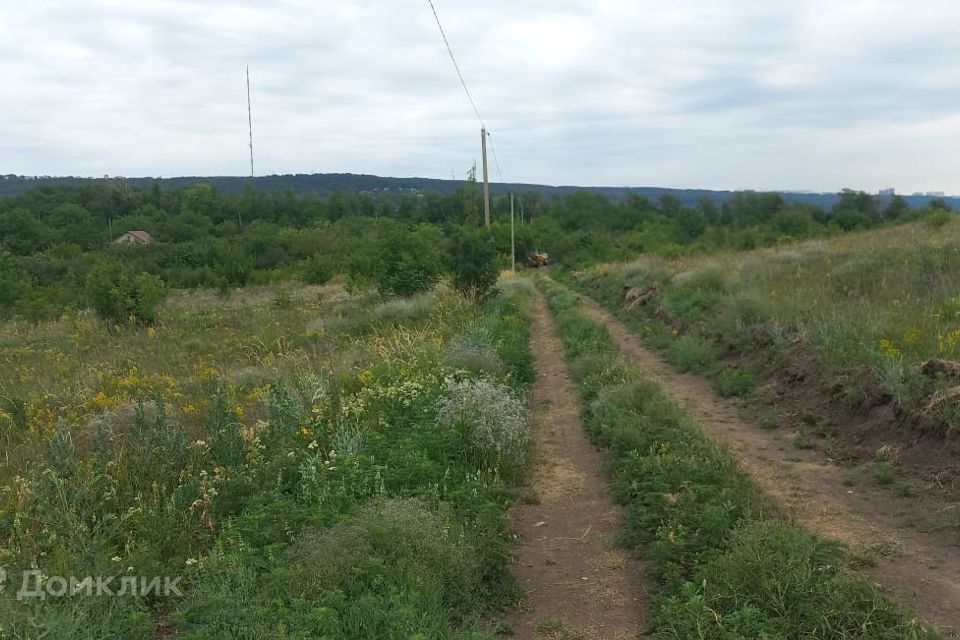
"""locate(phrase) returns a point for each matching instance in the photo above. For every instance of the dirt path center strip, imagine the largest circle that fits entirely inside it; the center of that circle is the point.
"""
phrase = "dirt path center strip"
(574, 575)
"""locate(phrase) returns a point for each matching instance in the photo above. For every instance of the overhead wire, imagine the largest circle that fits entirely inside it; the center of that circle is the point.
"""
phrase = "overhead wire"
(456, 66)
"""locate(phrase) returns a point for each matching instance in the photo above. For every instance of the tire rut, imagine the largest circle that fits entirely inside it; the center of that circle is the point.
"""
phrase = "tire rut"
(574, 574)
(921, 570)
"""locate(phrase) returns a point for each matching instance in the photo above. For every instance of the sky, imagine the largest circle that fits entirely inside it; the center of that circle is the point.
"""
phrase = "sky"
(724, 94)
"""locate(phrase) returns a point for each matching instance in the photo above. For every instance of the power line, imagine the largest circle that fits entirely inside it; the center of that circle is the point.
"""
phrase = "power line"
(455, 65)
(496, 160)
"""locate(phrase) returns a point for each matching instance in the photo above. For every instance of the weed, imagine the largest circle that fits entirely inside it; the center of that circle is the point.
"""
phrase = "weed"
(734, 382)
(802, 439)
(693, 354)
(883, 473)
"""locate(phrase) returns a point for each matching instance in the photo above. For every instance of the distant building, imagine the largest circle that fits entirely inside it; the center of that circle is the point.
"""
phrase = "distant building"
(889, 193)
(134, 237)
(936, 194)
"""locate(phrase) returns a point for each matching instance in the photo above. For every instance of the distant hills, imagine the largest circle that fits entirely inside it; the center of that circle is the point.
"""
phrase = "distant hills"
(325, 183)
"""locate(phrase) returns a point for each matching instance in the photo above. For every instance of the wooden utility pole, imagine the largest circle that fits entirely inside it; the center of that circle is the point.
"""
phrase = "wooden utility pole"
(513, 244)
(486, 179)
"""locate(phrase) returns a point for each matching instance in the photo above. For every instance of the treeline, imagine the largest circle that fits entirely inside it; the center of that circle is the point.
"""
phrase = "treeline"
(57, 248)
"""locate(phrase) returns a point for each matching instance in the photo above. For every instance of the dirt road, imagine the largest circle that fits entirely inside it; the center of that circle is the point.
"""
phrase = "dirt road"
(920, 568)
(574, 575)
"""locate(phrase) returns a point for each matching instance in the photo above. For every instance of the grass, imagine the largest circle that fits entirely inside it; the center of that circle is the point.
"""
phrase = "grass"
(884, 299)
(278, 451)
(726, 564)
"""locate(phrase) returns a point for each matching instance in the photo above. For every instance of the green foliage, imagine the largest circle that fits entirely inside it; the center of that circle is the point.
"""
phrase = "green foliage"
(734, 382)
(408, 262)
(692, 353)
(337, 507)
(473, 263)
(725, 568)
(318, 269)
(122, 296)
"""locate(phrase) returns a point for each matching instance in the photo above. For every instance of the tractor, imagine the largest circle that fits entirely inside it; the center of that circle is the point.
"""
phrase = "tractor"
(538, 259)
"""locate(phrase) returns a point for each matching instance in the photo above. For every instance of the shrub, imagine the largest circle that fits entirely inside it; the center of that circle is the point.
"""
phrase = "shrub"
(317, 269)
(472, 259)
(408, 261)
(734, 382)
(472, 352)
(692, 353)
(121, 296)
(938, 218)
(494, 418)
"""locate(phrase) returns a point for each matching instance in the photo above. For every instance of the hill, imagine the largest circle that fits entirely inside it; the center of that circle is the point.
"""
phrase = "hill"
(326, 183)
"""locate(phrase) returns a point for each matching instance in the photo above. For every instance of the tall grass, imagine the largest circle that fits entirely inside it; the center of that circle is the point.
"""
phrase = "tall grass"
(887, 299)
(297, 480)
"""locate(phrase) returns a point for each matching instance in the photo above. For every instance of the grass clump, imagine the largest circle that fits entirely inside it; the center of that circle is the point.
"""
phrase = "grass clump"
(694, 354)
(726, 565)
(734, 382)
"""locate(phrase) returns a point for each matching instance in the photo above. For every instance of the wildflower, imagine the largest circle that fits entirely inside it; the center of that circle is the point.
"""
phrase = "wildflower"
(151, 332)
(116, 558)
(890, 350)
(306, 431)
(191, 561)
(498, 421)
(911, 335)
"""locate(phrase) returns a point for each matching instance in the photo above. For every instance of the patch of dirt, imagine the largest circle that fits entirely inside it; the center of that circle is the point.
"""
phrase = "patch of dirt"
(856, 417)
(570, 566)
(915, 561)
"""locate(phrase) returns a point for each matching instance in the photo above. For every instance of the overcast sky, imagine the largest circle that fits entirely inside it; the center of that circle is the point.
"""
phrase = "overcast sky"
(772, 94)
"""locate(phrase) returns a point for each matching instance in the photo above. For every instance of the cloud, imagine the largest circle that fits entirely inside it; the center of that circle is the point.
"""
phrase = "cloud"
(727, 94)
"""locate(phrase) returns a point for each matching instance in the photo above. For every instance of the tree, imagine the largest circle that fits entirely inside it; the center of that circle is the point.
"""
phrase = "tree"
(473, 263)
(897, 208)
(408, 261)
(122, 296)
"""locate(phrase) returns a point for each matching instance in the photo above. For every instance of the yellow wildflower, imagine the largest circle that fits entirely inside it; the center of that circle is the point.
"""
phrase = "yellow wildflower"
(911, 336)
(889, 349)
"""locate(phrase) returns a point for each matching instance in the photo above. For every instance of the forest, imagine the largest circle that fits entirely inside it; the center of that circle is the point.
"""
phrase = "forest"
(57, 249)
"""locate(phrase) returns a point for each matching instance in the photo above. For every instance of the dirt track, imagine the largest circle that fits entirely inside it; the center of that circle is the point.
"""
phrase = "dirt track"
(920, 569)
(570, 566)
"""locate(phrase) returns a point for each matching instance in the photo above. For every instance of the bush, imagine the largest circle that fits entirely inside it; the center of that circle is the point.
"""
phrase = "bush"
(691, 353)
(472, 352)
(472, 259)
(317, 269)
(495, 420)
(734, 382)
(121, 296)
(408, 261)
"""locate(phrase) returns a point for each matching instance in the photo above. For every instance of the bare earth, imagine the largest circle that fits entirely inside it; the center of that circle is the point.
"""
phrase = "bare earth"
(919, 568)
(573, 573)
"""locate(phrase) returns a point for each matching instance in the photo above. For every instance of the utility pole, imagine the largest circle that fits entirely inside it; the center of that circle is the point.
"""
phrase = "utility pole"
(486, 179)
(250, 129)
(250, 121)
(513, 245)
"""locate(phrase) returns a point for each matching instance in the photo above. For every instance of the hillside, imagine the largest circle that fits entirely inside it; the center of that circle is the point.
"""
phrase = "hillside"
(326, 183)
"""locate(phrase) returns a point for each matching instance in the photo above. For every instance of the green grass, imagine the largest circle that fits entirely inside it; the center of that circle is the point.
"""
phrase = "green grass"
(279, 452)
(884, 299)
(726, 564)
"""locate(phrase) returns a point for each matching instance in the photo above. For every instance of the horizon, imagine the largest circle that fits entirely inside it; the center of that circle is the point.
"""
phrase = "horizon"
(879, 192)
